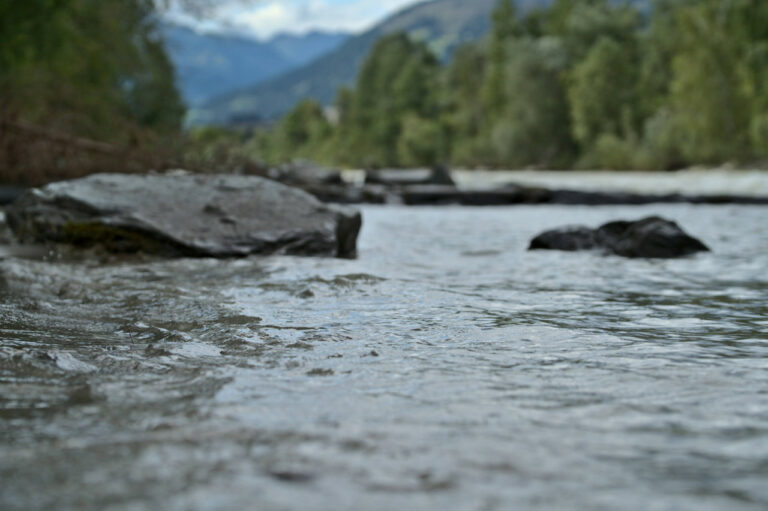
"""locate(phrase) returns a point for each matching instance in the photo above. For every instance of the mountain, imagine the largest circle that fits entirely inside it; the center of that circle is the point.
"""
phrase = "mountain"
(443, 24)
(209, 65)
(302, 49)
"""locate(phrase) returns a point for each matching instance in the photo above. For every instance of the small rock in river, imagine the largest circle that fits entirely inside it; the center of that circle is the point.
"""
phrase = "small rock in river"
(306, 294)
(291, 476)
(651, 237)
(320, 372)
(81, 395)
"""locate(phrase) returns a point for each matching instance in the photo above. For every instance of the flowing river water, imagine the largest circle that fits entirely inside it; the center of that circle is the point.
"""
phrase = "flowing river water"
(445, 368)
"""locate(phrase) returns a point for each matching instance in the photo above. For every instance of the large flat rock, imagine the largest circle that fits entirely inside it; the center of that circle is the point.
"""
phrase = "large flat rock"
(185, 214)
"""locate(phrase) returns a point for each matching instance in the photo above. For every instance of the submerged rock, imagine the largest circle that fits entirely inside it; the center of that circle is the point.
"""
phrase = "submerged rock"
(651, 237)
(191, 215)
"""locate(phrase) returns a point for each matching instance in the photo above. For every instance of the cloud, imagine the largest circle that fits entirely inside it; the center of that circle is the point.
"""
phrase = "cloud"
(265, 18)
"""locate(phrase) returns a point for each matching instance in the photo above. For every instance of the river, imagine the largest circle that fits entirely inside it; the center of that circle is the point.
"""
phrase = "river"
(445, 368)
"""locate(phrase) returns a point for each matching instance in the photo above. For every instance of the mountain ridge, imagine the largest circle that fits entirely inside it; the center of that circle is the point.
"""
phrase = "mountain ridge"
(211, 64)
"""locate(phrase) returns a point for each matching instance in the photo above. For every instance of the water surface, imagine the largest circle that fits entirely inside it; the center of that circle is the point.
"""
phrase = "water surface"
(445, 368)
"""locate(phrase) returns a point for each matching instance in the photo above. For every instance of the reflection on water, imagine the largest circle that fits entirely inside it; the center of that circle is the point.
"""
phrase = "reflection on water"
(446, 368)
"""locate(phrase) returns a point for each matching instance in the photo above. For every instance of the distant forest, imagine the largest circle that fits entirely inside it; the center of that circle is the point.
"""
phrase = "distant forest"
(583, 83)
(580, 84)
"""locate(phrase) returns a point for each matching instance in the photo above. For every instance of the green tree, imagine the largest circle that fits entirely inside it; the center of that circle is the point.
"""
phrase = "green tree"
(398, 79)
(504, 29)
(750, 21)
(603, 93)
(463, 109)
(594, 82)
(535, 129)
(710, 106)
(582, 23)
(420, 142)
(90, 68)
(302, 133)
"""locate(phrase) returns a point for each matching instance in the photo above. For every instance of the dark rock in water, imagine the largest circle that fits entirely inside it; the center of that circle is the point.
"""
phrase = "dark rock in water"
(8, 194)
(608, 198)
(432, 195)
(651, 237)
(191, 215)
(570, 239)
(439, 175)
(372, 194)
(301, 173)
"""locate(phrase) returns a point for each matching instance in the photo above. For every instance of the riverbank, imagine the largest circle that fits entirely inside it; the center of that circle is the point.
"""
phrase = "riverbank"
(501, 188)
(483, 187)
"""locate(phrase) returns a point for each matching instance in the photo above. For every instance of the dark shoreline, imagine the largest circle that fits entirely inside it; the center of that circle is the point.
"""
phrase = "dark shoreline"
(440, 195)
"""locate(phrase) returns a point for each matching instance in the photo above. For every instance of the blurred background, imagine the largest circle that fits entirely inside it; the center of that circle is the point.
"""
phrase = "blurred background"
(239, 86)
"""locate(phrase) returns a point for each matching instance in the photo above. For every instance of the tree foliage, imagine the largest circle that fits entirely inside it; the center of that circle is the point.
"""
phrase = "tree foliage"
(397, 81)
(87, 67)
(590, 83)
(302, 133)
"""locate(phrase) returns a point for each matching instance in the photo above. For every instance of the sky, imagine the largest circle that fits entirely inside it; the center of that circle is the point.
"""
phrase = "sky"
(265, 18)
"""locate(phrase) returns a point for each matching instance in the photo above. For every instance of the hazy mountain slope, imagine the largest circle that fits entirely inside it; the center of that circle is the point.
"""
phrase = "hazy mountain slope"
(445, 24)
(304, 48)
(208, 65)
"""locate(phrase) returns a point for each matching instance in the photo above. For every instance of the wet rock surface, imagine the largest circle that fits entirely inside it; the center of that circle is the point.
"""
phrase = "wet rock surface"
(184, 214)
(651, 237)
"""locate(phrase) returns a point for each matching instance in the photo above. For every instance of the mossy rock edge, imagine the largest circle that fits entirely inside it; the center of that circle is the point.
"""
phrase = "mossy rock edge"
(116, 239)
